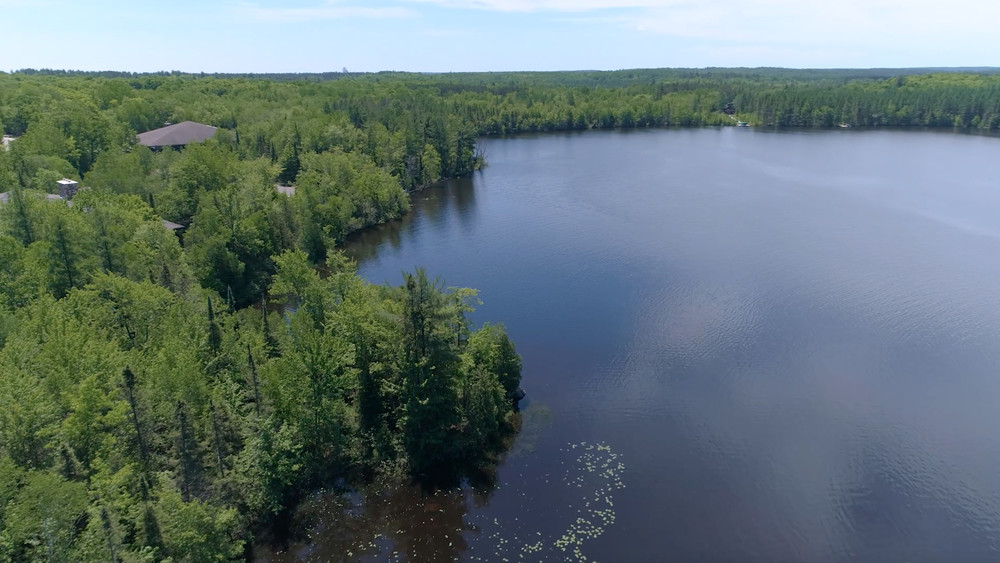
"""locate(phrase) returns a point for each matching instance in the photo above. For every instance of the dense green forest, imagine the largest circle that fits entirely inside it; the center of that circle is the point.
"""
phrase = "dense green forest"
(152, 404)
(147, 411)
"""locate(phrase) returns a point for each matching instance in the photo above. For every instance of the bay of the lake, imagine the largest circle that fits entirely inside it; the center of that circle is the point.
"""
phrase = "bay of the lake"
(738, 345)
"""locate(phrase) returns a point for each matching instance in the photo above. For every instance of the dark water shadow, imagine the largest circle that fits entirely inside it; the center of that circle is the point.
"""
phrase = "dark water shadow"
(438, 207)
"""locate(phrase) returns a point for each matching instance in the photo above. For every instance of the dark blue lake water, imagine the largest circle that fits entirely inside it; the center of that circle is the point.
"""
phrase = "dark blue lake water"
(738, 345)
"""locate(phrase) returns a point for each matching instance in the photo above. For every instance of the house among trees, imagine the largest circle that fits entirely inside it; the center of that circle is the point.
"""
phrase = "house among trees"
(176, 135)
(68, 188)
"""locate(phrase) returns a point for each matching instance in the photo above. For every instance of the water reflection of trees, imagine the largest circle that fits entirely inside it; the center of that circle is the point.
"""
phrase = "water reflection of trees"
(385, 522)
(438, 206)
(404, 523)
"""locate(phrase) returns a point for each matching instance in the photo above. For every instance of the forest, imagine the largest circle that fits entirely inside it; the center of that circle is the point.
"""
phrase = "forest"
(168, 395)
(164, 395)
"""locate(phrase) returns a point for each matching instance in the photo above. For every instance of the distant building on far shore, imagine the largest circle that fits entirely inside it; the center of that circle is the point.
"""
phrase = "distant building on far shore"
(177, 135)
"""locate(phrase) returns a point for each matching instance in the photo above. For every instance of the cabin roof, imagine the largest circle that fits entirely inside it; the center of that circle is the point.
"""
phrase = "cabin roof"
(178, 134)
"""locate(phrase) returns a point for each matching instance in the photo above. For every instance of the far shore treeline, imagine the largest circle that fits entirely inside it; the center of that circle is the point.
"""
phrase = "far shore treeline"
(153, 405)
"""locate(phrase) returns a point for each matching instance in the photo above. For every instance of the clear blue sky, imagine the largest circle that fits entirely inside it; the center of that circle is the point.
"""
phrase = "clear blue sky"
(454, 35)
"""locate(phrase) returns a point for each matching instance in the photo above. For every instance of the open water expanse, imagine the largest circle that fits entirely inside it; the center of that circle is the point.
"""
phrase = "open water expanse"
(738, 345)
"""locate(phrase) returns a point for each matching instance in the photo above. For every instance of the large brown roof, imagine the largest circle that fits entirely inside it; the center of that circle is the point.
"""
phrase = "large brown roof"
(177, 134)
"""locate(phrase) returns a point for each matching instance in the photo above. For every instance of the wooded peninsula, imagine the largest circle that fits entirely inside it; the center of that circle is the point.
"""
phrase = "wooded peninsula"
(156, 404)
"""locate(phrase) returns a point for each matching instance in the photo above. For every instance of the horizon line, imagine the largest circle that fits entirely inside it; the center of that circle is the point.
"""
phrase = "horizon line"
(430, 72)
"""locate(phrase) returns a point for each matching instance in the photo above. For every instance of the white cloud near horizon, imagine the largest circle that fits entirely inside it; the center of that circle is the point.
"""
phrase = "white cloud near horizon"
(789, 32)
(764, 19)
(879, 26)
(456, 35)
(551, 5)
(329, 10)
(24, 3)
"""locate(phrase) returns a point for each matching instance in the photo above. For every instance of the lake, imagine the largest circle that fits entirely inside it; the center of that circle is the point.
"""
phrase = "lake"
(738, 345)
